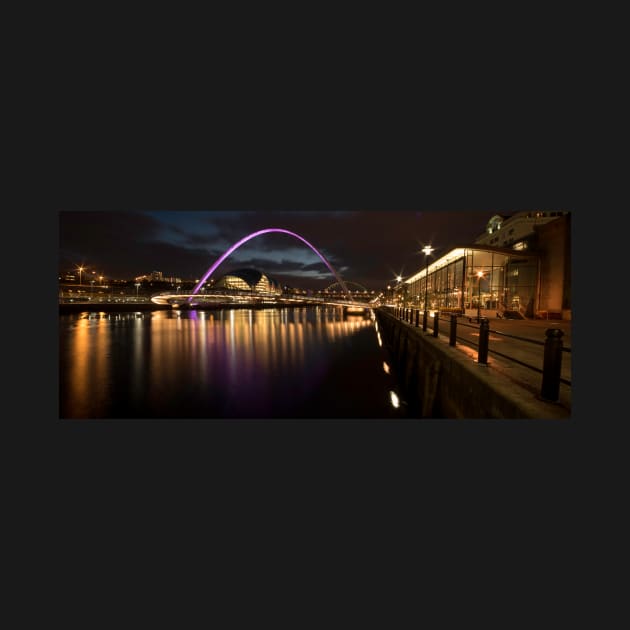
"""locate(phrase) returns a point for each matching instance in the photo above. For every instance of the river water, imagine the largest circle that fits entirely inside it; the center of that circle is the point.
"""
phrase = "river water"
(291, 363)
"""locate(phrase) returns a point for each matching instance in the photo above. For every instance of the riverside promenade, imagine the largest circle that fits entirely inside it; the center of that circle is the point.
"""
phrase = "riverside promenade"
(531, 354)
(448, 380)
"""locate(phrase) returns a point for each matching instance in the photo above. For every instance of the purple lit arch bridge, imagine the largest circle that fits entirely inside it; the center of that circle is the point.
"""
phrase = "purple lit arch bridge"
(249, 237)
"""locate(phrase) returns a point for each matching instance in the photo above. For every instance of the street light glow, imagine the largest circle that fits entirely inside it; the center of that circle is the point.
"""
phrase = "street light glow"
(394, 399)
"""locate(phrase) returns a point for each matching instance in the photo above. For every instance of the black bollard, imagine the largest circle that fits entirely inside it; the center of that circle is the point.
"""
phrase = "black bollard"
(417, 317)
(484, 333)
(451, 340)
(436, 323)
(424, 321)
(552, 364)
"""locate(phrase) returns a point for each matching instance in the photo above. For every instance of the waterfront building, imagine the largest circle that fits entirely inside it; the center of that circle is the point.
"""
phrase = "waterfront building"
(520, 266)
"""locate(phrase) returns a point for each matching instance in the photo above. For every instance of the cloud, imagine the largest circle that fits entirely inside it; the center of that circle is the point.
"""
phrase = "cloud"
(366, 246)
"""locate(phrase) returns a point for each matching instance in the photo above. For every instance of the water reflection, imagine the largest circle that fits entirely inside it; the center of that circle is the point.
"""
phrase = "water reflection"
(304, 362)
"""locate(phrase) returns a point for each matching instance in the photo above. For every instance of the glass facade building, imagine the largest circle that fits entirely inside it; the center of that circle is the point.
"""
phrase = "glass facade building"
(468, 279)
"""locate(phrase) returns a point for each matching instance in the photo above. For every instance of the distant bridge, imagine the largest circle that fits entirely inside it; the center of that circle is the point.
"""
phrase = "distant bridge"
(347, 283)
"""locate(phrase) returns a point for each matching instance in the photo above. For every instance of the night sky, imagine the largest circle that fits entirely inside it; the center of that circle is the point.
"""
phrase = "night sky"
(369, 247)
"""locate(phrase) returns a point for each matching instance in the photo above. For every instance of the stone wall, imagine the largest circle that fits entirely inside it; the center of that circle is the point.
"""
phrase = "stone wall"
(440, 381)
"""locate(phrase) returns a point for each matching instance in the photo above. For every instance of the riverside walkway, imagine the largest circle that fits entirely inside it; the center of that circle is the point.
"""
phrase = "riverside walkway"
(516, 349)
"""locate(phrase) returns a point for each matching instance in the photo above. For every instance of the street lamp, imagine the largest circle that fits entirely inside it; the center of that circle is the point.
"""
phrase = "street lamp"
(397, 287)
(80, 272)
(479, 275)
(137, 285)
(427, 249)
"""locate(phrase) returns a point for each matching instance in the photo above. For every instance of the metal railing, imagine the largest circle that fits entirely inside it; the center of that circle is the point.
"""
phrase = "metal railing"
(552, 353)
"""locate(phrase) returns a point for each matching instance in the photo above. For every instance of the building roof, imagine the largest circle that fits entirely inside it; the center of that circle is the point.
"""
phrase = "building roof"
(457, 252)
(251, 276)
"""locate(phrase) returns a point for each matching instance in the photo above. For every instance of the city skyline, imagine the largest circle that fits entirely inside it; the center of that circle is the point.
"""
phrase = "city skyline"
(126, 244)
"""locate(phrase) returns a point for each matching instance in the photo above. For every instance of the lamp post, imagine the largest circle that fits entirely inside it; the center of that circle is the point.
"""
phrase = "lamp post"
(80, 273)
(427, 249)
(396, 290)
(137, 287)
(479, 275)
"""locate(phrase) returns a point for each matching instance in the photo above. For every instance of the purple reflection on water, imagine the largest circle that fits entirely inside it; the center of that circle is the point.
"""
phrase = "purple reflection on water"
(293, 363)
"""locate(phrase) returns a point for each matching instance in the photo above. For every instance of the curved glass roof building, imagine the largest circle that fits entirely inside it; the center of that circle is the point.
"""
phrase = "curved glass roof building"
(250, 280)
